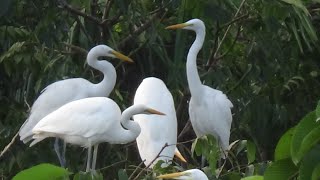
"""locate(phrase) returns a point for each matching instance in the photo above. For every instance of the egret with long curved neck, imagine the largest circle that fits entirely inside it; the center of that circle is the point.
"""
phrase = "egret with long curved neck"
(61, 92)
(209, 109)
(89, 122)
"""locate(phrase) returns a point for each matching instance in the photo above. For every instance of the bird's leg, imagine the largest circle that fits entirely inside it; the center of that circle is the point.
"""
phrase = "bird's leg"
(57, 150)
(63, 155)
(95, 152)
(203, 161)
(88, 159)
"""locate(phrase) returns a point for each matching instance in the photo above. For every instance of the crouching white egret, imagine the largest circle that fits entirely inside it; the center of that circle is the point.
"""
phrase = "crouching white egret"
(90, 121)
(191, 174)
(209, 109)
(161, 130)
(61, 92)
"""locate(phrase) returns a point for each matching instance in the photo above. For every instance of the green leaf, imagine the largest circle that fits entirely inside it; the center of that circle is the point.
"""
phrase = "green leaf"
(318, 109)
(42, 171)
(309, 163)
(251, 151)
(253, 178)
(310, 140)
(241, 146)
(298, 4)
(122, 174)
(316, 172)
(301, 131)
(283, 147)
(282, 169)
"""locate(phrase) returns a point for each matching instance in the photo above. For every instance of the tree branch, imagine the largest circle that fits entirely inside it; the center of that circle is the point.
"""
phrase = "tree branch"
(214, 55)
(107, 9)
(66, 6)
(158, 155)
(138, 31)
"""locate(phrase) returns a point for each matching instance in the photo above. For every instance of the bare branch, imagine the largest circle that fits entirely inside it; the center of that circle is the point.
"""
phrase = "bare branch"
(138, 31)
(158, 155)
(107, 9)
(66, 6)
(9, 145)
(214, 55)
(76, 49)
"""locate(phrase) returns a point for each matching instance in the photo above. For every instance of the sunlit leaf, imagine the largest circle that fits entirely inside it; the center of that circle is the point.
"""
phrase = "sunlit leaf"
(282, 169)
(253, 178)
(301, 131)
(42, 171)
(251, 151)
(282, 150)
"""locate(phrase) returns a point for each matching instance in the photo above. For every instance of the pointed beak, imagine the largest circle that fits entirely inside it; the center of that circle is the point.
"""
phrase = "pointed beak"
(179, 156)
(178, 26)
(153, 111)
(122, 57)
(171, 175)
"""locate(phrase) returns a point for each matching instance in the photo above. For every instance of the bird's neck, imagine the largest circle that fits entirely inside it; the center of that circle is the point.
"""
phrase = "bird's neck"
(105, 87)
(133, 128)
(194, 81)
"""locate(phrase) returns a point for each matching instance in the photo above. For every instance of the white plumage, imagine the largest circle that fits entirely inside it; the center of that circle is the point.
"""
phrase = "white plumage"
(155, 133)
(90, 121)
(61, 92)
(209, 109)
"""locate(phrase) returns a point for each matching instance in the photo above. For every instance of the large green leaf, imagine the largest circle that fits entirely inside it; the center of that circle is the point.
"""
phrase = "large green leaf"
(309, 163)
(301, 131)
(251, 151)
(310, 140)
(298, 4)
(283, 147)
(282, 169)
(253, 178)
(42, 171)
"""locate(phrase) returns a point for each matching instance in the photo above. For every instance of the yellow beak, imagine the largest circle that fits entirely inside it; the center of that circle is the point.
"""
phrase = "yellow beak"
(153, 111)
(171, 175)
(122, 57)
(178, 26)
(179, 156)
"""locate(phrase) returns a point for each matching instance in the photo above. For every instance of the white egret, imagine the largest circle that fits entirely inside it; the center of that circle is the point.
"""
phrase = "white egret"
(191, 174)
(209, 109)
(161, 130)
(61, 92)
(90, 121)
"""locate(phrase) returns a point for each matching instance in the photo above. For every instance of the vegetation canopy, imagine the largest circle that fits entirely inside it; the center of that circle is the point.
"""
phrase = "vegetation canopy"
(263, 54)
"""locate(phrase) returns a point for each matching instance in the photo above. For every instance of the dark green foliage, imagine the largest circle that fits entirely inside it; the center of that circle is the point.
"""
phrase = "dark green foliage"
(264, 54)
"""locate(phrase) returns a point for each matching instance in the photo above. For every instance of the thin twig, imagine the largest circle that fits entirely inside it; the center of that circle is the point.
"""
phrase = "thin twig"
(66, 6)
(136, 169)
(116, 163)
(138, 31)
(9, 145)
(234, 20)
(107, 9)
(185, 129)
(76, 48)
(214, 55)
(158, 155)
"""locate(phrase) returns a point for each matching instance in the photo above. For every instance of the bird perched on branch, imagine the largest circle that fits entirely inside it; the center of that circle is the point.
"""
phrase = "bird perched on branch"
(90, 121)
(209, 109)
(61, 92)
(161, 130)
